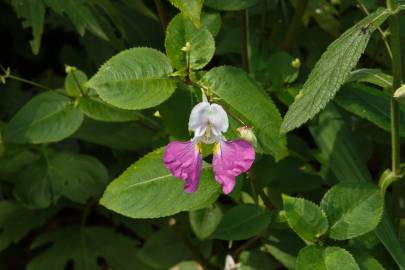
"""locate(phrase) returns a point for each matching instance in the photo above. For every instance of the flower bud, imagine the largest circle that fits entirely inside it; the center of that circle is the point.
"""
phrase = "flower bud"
(296, 63)
(247, 134)
(399, 94)
(186, 48)
(69, 69)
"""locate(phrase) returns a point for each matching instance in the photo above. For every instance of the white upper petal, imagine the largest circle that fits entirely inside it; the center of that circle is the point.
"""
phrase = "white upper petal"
(198, 121)
(218, 119)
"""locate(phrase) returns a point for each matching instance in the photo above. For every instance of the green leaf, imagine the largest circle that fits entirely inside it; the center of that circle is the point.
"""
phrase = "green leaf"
(256, 260)
(13, 162)
(48, 117)
(212, 21)
(163, 250)
(84, 245)
(230, 5)
(77, 177)
(75, 82)
(33, 14)
(190, 9)
(17, 221)
(336, 142)
(366, 261)
(147, 189)
(122, 136)
(205, 221)
(175, 112)
(332, 70)
(329, 258)
(96, 109)
(371, 104)
(305, 218)
(202, 45)
(372, 76)
(352, 209)
(248, 100)
(80, 13)
(134, 79)
(283, 244)
(338, 146)
(280, 69)
(242, 222)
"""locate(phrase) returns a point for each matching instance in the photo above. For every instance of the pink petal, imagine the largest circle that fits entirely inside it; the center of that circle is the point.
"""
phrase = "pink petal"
(184, 160)
(231, 159)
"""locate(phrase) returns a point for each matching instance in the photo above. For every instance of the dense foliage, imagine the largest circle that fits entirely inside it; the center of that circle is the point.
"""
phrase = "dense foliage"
(91, 92)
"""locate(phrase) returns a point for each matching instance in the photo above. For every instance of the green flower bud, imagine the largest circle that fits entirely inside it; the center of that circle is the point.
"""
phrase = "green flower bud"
(296, 63)
(247, 134)
(186, 48)
(400, 94)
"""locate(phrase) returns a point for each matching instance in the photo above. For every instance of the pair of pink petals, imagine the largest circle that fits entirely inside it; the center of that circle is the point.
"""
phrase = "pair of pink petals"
(231, 158)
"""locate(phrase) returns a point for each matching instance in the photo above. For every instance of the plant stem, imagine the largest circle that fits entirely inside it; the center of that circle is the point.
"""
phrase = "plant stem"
(162, 14)
(396, 83)
(396, 65)
(245, 39)
(294, 25)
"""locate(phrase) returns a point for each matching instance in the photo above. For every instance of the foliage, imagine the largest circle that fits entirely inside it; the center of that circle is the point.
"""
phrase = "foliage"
(91, 92)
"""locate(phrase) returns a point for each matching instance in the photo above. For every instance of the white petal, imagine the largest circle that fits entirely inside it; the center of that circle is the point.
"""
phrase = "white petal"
(218, 118)
(199, 118)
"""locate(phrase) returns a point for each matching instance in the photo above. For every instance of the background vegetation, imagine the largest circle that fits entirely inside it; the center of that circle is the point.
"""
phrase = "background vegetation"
(92, 90)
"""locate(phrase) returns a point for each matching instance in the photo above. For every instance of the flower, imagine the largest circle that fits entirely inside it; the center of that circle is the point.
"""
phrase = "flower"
(184, 159)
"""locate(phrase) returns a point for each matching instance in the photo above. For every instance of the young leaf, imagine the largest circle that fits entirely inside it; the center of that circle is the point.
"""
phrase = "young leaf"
(48, 117)
(181, 31)
(148, 190)
(332, 70)
(305, 218)
(205, 221)
(75, 82)
(17, 221)
(134, 79)
(352, 209)
(242, 222)
(33, 13)
(190, 9)
(85, 245)
(249, 101)
(369, 103)
(230, 5)
(329, 258)
(97, 109)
